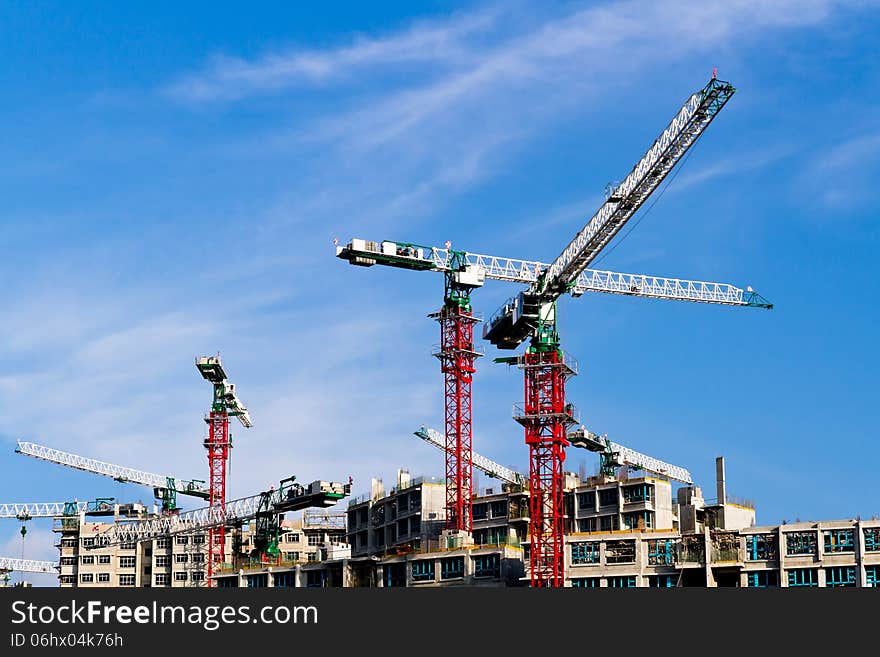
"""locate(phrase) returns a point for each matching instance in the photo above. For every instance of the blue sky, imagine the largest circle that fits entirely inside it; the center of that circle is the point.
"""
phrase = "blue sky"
(172, 180)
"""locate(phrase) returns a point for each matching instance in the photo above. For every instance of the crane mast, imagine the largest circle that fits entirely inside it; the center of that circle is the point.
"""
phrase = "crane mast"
(218, 443)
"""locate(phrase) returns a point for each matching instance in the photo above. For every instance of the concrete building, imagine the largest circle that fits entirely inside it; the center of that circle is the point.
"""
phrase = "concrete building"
(173, 561)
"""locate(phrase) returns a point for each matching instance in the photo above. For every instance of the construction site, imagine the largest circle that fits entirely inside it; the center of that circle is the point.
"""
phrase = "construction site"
(639, 521)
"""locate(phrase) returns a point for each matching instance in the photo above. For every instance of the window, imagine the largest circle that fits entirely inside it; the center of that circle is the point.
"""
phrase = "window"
(103, 577)
(68, 542)
(840, 576)
(451, 567)
(838, 540)
(608, 497)
(163, 543)
(128, 546)
(620, 552)
(661, 552)
(585, 553)
(292, 537)
(423, 570)
(198, 558)
(587, 525)
(181, 558)
(181, 540)
(314, 539)
(587, 501)
(86, 577)
(498, 509)
(199, 539)
(87, 560)
(638, 493)
(415, 525)
(800, 543)
(662, 581)
(260, 581)
(761, 579)
(88, 542)
(872, 576)
(487, 565)
(232, 582)
(608, 523)
(625, 582)
(68, 561)
(163, 579)
(803, 577)
(163, 560)
(198, 576)
(67, 579)
(104, 559)
(179, 577)
(315, 578)
(638, 520)
(285, 580)
(126, 580)
(585, 583)
(127, 562)
(480, 511)
(760, 547)
(872, 539)
(291, 556)
(395, 575)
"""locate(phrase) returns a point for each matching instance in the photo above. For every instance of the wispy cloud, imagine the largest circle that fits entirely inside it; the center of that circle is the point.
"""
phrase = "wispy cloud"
(843, 177)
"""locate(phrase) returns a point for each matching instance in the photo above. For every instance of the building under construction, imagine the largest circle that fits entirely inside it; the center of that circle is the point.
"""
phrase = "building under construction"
(548, 528)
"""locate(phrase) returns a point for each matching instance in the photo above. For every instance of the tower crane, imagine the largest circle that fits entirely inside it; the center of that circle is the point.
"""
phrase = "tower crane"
(9, 564)
(27, 511)
(165, 488)
(480, 462)
(546, 415)
(265, 508)
(218, 443)
(613, 456)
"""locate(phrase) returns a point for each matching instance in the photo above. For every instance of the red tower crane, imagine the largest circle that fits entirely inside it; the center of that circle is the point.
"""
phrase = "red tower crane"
(218, 443)
(545, 413)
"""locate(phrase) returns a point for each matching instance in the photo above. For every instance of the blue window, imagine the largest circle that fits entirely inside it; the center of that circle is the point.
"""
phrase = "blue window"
(872, 576)
(585, 583)
(285, 580)
(803, 577)
(661, 553)
(760, 547)
(638, 493)
(663, 581)
(587, 500)
(582, 553)
(395, 575)
(872, 539)
(257, 581)
(762, 579)
(800, 543)
(451, 567)
(839, 540)
(423, 570)
(626, 582)
(487, 565)
(226, 582)
(840, 576)
(638, 520)
(315, 578)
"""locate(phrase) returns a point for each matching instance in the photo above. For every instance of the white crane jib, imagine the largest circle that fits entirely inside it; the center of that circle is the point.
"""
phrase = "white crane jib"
(613, 456)
(121, 473)
(490, 467)
(26, 511)
(9, 564)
